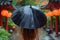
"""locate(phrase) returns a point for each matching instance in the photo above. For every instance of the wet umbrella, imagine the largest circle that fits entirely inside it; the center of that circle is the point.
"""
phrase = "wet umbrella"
(29, 17)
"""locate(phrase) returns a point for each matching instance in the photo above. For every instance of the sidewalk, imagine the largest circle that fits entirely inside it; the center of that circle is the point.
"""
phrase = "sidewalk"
(43, 35)
(54, 36)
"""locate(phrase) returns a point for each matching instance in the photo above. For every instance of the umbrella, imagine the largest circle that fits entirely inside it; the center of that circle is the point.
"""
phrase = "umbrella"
(29, 17)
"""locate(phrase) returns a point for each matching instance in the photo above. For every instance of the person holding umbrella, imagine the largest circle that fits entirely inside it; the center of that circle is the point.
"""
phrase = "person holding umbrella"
(29, 18)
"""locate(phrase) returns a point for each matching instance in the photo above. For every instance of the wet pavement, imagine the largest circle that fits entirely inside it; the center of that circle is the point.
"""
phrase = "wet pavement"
(42, 35)
(53, 35)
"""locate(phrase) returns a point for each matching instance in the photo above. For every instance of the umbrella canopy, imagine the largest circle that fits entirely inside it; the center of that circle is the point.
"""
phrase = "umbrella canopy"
(29, 17)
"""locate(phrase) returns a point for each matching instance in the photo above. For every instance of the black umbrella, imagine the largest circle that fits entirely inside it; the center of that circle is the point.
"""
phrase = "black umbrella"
(29, 17)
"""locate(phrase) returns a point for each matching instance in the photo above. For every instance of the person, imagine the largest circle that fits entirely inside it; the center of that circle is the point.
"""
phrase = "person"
(29, 34)
(29, 18)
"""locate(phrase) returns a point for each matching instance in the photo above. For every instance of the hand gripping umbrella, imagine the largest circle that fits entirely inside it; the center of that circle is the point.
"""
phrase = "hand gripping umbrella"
(29, 17)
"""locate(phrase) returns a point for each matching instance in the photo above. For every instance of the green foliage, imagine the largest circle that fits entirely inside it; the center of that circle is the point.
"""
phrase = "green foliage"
(11, 23)
(3, 34)
(14, 2)
(27, 2)
(24, 2)
(54, 18)
(43, 0)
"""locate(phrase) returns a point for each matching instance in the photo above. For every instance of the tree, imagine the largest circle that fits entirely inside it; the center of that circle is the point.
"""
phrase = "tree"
(24, 2)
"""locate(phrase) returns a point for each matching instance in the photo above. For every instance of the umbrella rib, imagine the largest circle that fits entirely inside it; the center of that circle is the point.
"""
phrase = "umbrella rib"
(24, 19)
(29, 17)
(14, 13)
(35, 16)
